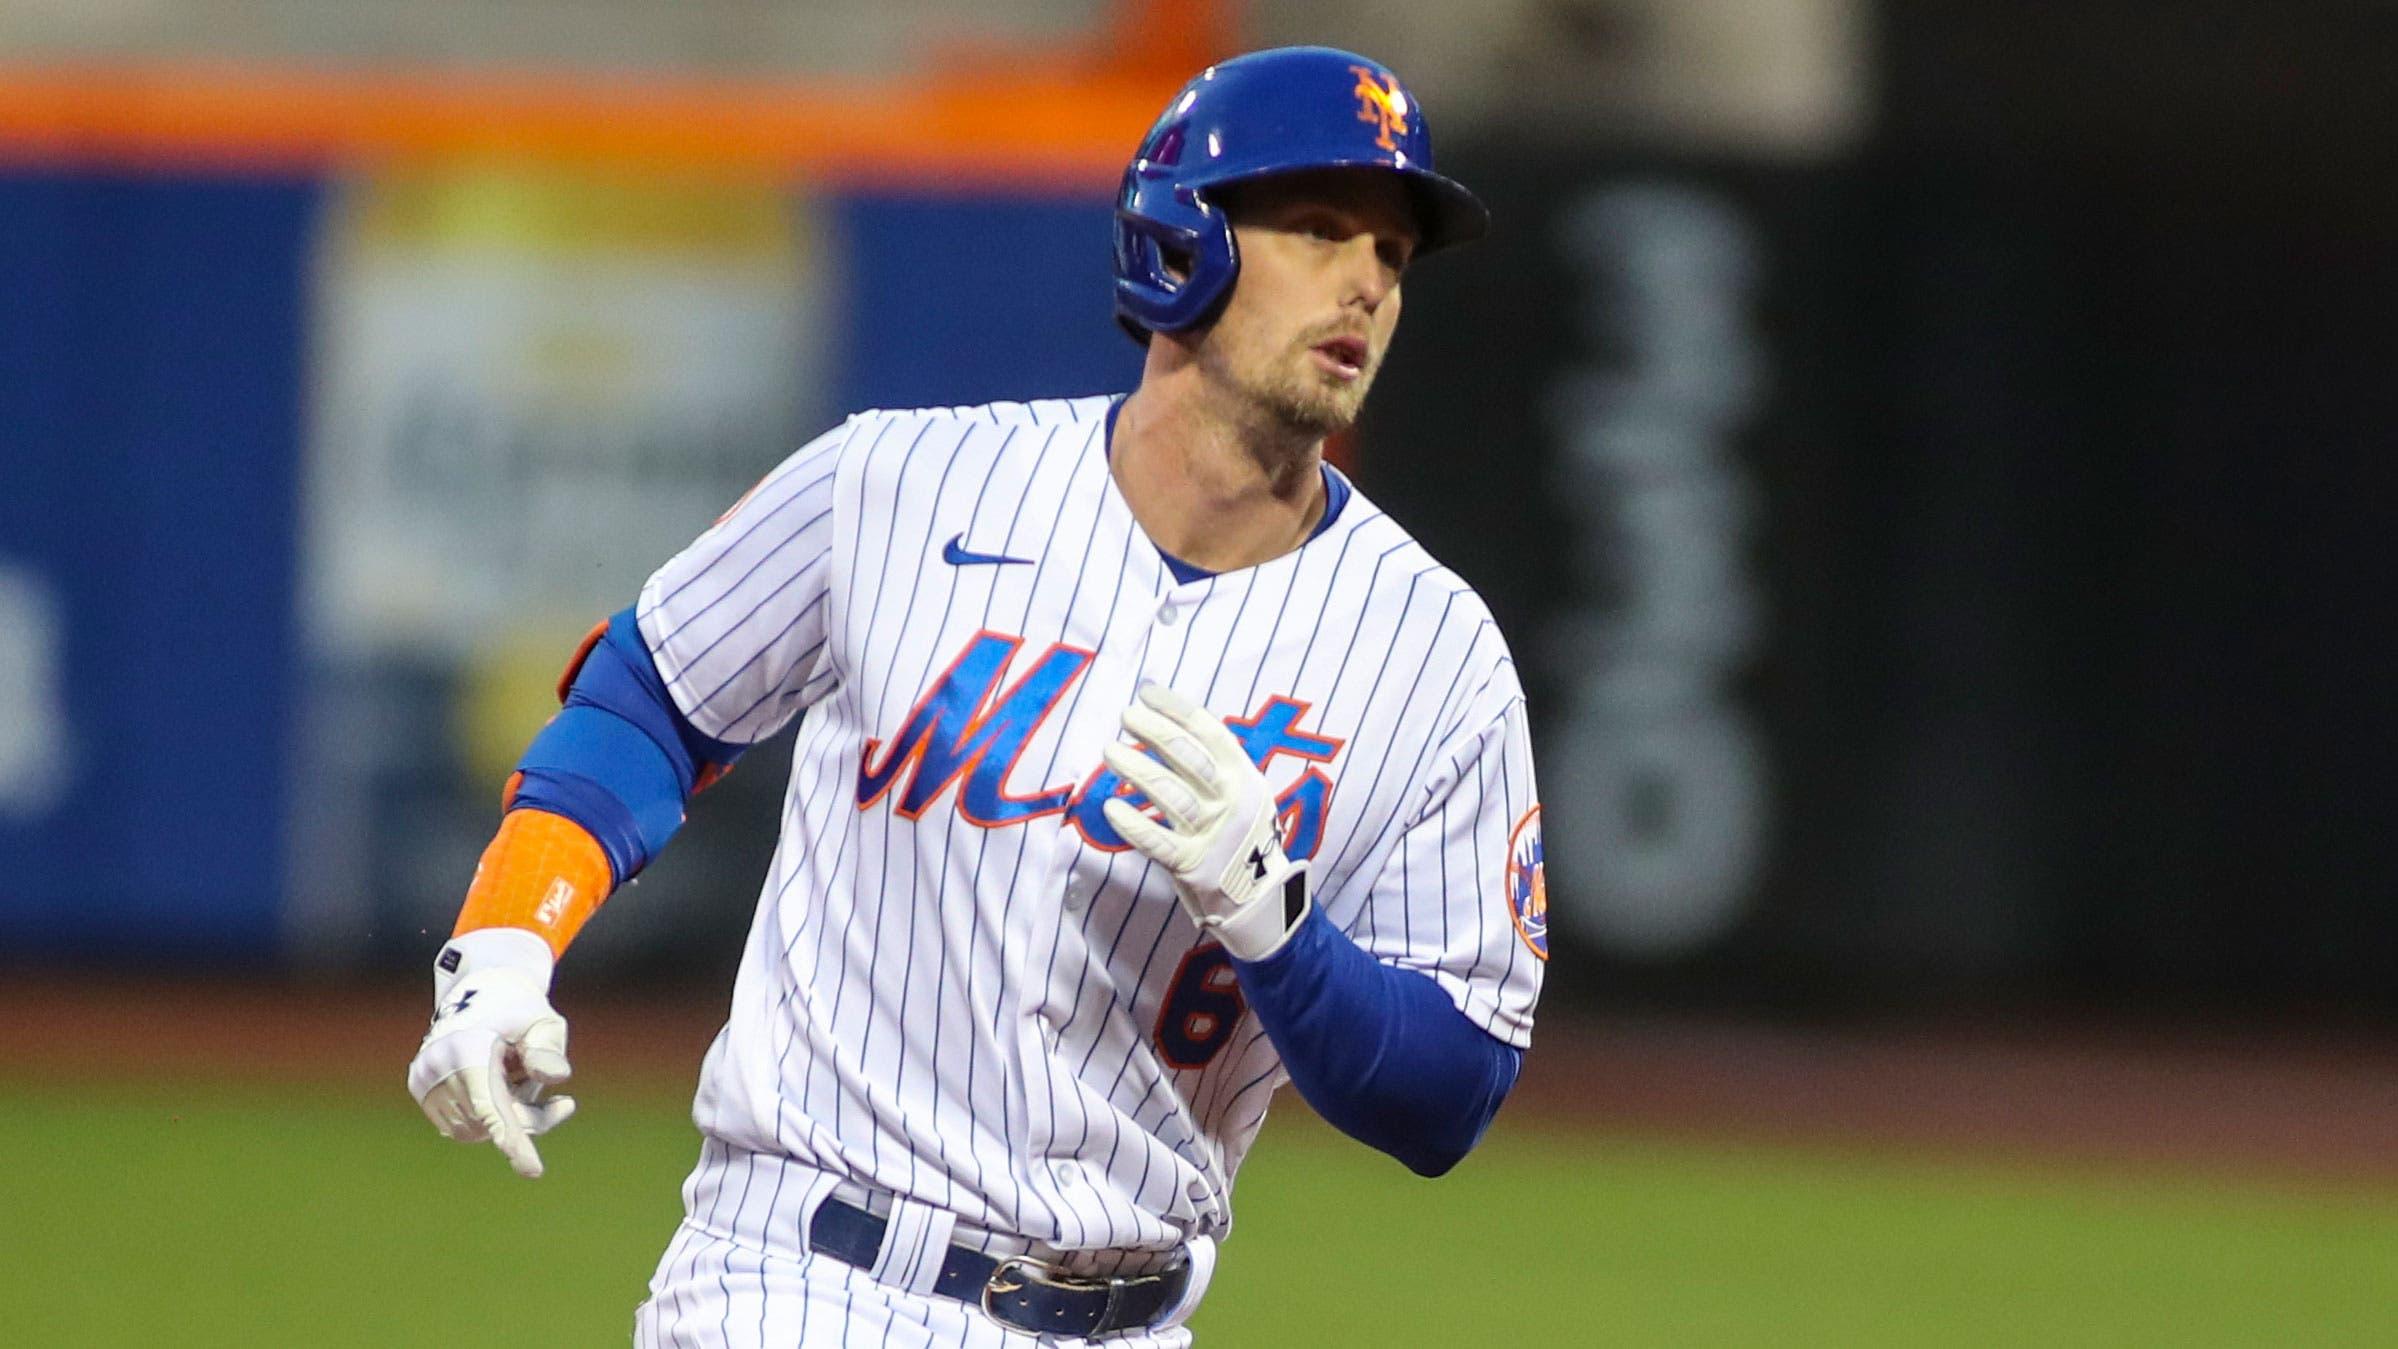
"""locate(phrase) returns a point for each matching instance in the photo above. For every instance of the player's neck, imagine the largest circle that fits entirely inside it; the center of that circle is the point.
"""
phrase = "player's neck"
(1208, 488)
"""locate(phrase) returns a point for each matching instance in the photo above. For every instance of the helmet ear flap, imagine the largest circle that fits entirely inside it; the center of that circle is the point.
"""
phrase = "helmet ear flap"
(1171, 274)
(1174, 262)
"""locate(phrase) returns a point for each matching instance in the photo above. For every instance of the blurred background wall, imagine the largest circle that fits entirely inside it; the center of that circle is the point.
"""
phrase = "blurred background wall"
(1931, 459)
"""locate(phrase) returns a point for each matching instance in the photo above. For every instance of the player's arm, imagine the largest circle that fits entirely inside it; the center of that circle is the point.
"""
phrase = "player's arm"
(1381, 1051)
(723, 649)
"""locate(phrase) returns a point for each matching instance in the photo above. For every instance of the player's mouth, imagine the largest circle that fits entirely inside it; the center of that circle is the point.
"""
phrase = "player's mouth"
(1343, 358)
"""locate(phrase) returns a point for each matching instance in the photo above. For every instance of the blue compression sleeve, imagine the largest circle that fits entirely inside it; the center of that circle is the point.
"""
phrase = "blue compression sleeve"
(1380, 1052)
(620, 758)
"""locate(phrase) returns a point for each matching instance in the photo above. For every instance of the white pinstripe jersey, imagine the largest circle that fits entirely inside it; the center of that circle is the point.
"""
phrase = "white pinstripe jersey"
(960, 987)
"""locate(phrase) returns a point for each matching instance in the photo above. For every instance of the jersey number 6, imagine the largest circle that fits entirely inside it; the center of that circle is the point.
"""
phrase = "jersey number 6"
(1203, 1005)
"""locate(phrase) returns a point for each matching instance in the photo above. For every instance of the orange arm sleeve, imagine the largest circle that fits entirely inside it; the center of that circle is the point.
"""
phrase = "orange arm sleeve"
(543, 873)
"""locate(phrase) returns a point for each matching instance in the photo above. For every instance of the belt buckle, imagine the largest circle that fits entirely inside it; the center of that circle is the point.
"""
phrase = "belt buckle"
(1001, 1284)
(1012, 1274)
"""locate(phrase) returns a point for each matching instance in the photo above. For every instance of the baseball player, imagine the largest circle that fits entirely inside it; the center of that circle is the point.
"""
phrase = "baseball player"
(1146, 765)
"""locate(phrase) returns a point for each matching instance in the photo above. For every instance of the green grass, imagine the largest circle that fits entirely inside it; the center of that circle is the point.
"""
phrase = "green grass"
(313, 1216)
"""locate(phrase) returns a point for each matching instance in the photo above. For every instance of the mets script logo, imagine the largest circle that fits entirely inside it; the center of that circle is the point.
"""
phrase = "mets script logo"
(1528, 884)
(1382, 103)
(967, 730)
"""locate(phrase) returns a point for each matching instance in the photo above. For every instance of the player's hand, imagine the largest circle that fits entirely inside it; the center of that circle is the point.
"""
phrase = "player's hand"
(495, 1046)
(1220, 838)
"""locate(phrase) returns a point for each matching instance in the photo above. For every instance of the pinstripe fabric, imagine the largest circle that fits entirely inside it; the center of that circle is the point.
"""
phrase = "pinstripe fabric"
(965, 1013)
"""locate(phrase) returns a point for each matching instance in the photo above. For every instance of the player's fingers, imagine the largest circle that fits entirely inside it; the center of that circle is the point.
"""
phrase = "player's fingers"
(517, 1146)
(1154, 841)
(477, 1103)
(1170, 700)
(430, 1101)
(1157, 784)
(440, 1057)
(1165, 790)
(542, 1116)
(497, 1111)
(542, 1051)
(1205, 728)
(1172, 743)
(445, 1105)
(480, 1118)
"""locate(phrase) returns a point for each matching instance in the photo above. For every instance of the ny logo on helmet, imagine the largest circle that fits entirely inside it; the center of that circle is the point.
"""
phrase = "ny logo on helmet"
(1383, 103)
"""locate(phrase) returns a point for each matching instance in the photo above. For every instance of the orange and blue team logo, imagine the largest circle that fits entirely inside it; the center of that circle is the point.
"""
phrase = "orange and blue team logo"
(1381, 103)
(968, 730)
(1528, 884)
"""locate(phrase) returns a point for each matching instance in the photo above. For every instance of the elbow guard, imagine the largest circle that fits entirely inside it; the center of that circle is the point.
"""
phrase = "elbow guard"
(620, 758)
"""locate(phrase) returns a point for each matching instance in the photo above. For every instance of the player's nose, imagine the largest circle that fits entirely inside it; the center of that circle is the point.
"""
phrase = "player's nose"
(1366, 280)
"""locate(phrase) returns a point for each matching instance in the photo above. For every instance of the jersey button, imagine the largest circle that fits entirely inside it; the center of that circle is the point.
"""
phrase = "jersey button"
(1168, 616)
(1067, 1173)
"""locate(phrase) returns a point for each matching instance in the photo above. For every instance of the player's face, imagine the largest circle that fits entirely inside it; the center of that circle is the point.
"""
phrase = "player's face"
(1312, 314)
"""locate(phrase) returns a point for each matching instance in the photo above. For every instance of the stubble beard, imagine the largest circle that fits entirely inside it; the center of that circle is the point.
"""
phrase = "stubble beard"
(1302, 401)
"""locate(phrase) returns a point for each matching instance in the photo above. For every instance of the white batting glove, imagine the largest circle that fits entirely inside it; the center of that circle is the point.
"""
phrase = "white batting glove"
(1221, 838)
(495, 1046)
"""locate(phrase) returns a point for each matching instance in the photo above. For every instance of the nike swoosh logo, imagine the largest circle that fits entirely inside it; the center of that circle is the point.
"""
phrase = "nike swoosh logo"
(956, 556)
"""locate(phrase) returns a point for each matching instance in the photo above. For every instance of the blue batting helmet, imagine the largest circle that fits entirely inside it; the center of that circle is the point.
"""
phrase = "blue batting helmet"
(1270, 112)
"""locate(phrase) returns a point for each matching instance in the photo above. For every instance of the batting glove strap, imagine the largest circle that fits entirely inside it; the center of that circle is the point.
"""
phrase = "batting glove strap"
(517, 950)
(1262, 926)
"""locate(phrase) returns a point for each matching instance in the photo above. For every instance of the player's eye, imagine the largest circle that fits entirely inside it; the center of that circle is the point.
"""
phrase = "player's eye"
(1317, 223)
